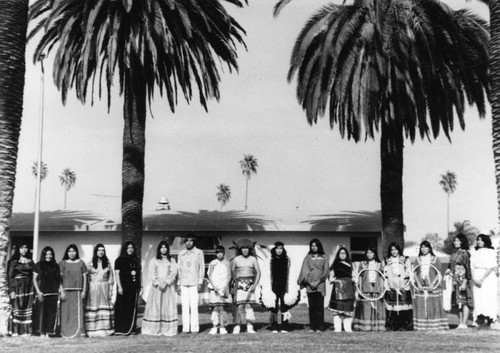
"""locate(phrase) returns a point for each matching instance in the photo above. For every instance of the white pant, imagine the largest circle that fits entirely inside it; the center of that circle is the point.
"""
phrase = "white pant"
(189, 301)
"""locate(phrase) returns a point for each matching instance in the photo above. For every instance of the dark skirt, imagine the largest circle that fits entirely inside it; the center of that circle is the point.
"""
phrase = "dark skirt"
(23, 306)
(399, 320)
(126, 311)
(342, 298)
(45, 315)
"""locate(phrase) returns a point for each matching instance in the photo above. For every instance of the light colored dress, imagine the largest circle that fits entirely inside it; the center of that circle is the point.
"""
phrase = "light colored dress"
(99, 308)
(160, 316)
(485, 297)
(428, 311)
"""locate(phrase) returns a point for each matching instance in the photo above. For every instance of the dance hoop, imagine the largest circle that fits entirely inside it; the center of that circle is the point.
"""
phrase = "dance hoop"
(406, 267)
(439, 276)
(361, 292)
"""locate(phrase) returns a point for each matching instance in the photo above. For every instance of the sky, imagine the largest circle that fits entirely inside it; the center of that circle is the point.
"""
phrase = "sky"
(302, 168)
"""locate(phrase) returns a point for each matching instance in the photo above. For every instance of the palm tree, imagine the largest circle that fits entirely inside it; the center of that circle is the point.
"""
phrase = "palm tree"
(449, 184)
(223, 194)
(248, 167)
(43, 168)
(171, 47)
(13, 27)
(399, 66)
(68, 180)
(467, 229)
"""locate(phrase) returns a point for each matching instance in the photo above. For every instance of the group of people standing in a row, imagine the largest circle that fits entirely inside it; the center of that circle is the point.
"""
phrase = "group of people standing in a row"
(371, 295)
(395, 294)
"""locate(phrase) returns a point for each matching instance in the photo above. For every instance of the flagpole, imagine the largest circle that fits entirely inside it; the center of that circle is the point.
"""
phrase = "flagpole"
(36, 226)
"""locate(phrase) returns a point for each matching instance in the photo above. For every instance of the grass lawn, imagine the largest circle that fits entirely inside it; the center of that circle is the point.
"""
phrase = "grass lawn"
(297, 340)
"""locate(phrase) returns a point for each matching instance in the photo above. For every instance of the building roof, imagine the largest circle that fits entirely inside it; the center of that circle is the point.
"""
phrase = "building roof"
(203, 220)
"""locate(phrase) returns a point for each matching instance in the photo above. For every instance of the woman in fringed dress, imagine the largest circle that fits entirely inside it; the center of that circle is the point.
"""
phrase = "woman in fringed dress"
(99, 308)
(160, 316)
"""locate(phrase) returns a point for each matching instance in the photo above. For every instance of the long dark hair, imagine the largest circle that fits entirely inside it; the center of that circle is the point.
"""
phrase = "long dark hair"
(123, 252)
(395, 245)
(337, 257)
(74, 247)
(486, 240)
(273, 250)
(318, 244)
(95, 258)
(45, 250)
(427, 244)
(158, 252)
(17, 253)
(374, 251)
(464, 242)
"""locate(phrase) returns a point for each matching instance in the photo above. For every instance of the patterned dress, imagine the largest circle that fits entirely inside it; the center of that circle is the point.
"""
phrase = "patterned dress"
(21, 283)
(160, 316)
(370, 314)
(428, 312)
(342, 297)
(460, 269)
(398, 301)
(99, 308)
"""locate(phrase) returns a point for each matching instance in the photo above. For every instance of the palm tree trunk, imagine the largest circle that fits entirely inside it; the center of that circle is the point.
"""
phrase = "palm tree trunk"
(495, 89)
(447, 216)
(134, 141)
(65, 195)
(391, 185)
(246, 195)
(13, 26)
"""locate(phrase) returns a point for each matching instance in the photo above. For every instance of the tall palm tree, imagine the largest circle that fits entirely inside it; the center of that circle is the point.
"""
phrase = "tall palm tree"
(13, 27)
(248, 167)
(68, 180)
(449, 184)
(401, 67)
(223, 194)
(169, 46)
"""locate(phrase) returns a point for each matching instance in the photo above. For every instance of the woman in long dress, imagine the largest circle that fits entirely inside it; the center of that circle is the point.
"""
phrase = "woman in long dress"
(369, 314)
(485, 271)
(73, 291)
(99, 308)
(459, 268)
(129, 287)
(428, 312)
(160, 315)
(313, 274)
(342, 297)
(398, 301)
(21, 290)
(46, 280)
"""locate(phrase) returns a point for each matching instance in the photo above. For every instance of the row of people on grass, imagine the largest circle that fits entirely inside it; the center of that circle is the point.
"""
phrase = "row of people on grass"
(384, 299)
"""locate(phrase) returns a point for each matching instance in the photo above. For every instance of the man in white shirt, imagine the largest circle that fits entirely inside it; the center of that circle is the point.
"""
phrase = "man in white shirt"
(191, 265)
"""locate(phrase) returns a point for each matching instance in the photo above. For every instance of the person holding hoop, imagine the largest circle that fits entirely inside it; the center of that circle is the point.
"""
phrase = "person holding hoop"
(370, 311)
(485, 271)
(428, 312)
(398, 302)
(459, 269)
(342, 297)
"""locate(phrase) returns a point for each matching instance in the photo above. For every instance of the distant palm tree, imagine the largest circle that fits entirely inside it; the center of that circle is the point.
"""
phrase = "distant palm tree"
(248, 167)
(223, 194)
(68, 180)
(44, 172)
(449, 184)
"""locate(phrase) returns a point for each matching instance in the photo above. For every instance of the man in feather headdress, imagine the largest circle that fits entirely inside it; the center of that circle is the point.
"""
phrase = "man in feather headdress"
(245, 273)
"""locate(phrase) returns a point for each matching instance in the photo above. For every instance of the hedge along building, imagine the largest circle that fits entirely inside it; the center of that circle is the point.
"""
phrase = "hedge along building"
(58, 229)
